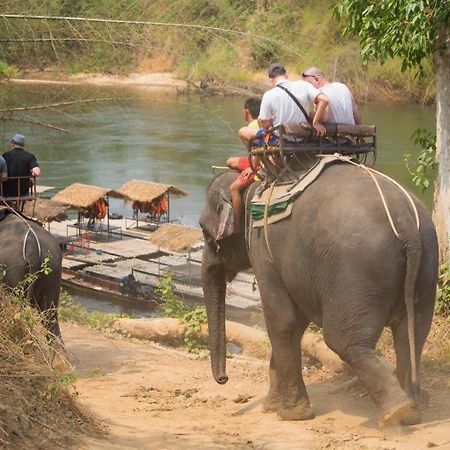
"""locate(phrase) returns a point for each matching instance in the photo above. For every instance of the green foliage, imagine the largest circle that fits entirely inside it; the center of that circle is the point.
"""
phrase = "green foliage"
(443, 293)
(21, 289)
(388, 28)
(171, 304)
(422, 172)
(74, 312)
(59, 384)
(7, 71)
(193, 317)
(193, 320)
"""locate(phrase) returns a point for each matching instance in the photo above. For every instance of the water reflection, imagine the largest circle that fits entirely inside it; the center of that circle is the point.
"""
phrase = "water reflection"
(168, 139)
(162, 138)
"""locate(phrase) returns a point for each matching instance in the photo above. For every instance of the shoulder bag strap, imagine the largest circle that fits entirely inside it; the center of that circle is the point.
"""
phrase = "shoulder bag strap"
(295, 99)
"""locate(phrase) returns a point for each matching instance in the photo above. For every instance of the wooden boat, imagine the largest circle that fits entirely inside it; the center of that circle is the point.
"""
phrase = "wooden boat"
(112, 289)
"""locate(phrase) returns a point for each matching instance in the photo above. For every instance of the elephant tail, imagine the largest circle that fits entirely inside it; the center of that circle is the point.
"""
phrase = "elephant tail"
(413, 251)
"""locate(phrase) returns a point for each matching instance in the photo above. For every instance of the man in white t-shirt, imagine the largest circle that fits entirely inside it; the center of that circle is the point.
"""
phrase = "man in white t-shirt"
(278, 107)
(342, 107)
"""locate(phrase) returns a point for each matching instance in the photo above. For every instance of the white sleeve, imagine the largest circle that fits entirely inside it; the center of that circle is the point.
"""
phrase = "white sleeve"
(265, 110)
(312, 92)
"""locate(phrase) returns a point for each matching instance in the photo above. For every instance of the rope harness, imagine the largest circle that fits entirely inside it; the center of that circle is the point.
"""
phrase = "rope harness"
(369, 172)
(30, 230)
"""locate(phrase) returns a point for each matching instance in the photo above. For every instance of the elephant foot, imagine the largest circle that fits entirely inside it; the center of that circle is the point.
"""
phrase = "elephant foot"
(413, 418)
(393, 415)
(302, 411)
(271, 403)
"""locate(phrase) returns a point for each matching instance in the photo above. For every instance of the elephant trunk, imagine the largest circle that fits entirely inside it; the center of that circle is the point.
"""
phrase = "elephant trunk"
(214, 287)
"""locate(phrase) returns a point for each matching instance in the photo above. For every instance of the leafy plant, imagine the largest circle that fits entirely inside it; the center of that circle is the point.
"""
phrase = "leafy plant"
(7, 71)
(443, 292)
(193, 320)
(21, 289)
(388, 28)
(193, 317)
(171, 304)
(426, 160)
(59, 384)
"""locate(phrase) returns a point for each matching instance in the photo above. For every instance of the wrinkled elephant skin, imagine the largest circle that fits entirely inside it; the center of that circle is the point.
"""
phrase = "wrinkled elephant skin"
(335, 262)
(19, 256)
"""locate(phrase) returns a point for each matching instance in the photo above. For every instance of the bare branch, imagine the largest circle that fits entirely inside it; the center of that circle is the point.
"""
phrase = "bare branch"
(35, 122)
(59, 104)
(89, 21)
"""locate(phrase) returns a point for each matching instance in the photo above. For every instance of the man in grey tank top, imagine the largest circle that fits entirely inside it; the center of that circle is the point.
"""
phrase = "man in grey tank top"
(342, 107)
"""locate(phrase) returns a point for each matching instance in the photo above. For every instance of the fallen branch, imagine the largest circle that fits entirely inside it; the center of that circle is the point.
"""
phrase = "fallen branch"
(35, 122)
(58, 105)
(254, 343)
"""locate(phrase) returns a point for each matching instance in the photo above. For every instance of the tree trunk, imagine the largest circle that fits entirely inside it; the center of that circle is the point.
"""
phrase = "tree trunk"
(441, 212)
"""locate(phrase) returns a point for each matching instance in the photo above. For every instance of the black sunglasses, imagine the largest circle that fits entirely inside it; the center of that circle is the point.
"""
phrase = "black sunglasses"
(305, 75)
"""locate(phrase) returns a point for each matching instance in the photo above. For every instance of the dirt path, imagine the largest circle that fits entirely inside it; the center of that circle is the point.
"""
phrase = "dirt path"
(151, 397)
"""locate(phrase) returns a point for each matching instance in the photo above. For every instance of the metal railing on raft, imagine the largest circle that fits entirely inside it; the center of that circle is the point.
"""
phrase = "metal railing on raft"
(15, 186)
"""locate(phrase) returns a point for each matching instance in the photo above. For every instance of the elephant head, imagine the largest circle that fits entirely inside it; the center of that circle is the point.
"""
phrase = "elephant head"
(223, 258)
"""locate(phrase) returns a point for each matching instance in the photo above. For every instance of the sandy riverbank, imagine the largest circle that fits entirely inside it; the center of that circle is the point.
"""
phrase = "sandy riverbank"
(153, 397)
(159, 81)
(166, 82)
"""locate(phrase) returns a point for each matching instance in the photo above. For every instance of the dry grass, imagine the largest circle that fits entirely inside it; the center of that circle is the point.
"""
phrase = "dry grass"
(36, 409)
(175, 237)
(46, 210)
(146, 191)
(80, 195)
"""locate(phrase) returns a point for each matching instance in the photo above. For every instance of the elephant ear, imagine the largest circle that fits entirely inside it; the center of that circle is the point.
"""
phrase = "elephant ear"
(226, 217)
(217, 218)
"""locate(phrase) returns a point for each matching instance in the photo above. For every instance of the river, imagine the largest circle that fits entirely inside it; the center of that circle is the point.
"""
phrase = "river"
(138, 134)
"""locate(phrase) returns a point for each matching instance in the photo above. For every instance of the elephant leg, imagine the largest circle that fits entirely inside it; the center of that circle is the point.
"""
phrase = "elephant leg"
(287, 392)
(272, 402)
(403, 360)
(355, 344)
(46, 298)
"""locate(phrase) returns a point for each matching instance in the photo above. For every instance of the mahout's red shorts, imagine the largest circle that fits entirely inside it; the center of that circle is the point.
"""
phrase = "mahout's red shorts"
(246, 177)
(243, 163)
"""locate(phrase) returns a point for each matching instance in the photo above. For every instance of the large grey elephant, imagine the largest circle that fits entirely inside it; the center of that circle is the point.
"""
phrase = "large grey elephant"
(335, 262)
(24, 246)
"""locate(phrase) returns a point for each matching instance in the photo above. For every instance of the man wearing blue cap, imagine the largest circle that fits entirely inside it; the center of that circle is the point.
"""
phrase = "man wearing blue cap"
(20, 164)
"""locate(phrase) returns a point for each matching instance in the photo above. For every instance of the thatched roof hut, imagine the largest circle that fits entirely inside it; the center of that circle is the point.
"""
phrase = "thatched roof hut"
(46, 210)
(80, 195)
(175, 237)
(146, 191)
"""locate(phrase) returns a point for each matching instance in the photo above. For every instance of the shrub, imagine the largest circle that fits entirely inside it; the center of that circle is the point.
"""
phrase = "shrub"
(35, 403)
(443, 292)
(193, 317)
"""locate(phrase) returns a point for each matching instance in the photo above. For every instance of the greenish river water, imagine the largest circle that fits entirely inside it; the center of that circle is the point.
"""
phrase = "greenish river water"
(142, 135)
(162, 138)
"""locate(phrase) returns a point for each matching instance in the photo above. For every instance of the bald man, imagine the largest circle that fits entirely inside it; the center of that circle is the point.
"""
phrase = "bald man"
(342, 107)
